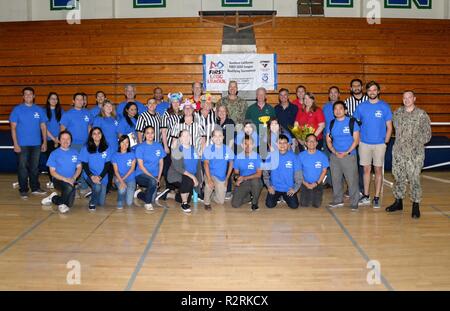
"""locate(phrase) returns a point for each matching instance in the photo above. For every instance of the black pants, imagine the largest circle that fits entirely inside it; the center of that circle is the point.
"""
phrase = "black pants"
(186, 186)
(67, 195)
(28, 169)
(308, 196)
(272, 199)
(166, 165)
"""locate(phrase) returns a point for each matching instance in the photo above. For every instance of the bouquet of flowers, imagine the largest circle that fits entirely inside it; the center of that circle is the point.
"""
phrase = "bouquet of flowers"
(209, 99)
(301, 131)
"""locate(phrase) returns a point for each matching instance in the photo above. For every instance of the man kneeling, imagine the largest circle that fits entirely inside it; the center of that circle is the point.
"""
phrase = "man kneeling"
(218, 161)
(247, 171)
(283, 177)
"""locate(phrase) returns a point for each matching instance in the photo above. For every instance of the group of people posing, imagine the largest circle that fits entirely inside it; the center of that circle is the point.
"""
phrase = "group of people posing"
(195, 147)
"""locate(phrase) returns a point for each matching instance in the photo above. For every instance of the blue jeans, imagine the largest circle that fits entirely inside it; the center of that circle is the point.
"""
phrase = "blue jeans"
(125, 194)
(67, 195)
(271, 199)
(98, 193)
(151, 184)
(81, 180)
(29, 168)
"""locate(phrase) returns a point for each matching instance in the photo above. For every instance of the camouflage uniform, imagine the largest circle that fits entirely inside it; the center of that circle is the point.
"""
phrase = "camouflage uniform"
(236, 108)
(412, 131)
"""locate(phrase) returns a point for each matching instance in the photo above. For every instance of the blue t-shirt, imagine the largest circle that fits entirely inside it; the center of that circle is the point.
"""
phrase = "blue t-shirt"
(190, 159)
(247, 165)
(328, 112)
(28, 120)
(109, 127)
(119, 110)
(150, 154)
(282, 170)
(162, 107)
(124, 128)
(342, 138)
(53, 125)
(65, 162)
(218, 160)
(124, 163)
(96, 162)
(312, 165)
(373, 118)
(77, 122)
(95, 112)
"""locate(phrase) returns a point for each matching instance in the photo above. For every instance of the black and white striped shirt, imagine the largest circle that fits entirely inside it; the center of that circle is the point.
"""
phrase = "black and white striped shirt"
(208, 124)
(195, 129)
(352, 102)
(147, 119)
(168, 122)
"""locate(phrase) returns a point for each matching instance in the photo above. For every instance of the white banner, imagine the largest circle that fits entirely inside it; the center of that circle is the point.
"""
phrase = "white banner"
(251, 71)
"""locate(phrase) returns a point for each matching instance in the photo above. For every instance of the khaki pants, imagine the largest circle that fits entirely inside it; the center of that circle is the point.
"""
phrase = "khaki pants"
(218, 193)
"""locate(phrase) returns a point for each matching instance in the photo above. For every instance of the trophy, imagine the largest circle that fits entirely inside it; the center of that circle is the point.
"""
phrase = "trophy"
(264, 120)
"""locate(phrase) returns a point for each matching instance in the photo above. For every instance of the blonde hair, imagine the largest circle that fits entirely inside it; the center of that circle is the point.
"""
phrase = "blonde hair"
(113, 112)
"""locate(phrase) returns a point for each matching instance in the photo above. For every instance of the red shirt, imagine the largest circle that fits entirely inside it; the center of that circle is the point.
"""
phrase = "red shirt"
(298, 104)
(311, 118)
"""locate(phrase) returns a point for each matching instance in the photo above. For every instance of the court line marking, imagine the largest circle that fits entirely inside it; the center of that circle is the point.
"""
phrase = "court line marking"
(145, 252)
(358, 247)
(437, 179)
(440, 211)
(98, 226)
(24, 234)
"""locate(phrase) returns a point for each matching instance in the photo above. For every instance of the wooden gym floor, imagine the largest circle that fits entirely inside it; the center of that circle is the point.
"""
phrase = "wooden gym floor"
(226, 249)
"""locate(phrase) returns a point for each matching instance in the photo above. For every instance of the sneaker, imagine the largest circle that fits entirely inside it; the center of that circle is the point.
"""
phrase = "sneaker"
(136, 193)
(119, 207)
(281, 200)
(207, 207)
(354, 208)
(88, 194)
(91, 208)
(186, 207)
(39, 192)
(48, 200)
(346, 194)
(254, 207)
(24, 195)
(149, 207)
(162, 194)
(228, 196)
(63, 208)
(376, 202)
(84, 191)
(334, 205)
(15, 185)
(365, 200)
(50, 185)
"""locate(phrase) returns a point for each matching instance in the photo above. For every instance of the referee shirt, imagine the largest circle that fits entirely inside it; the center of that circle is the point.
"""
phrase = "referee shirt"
(147, 119)
(352, 102)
